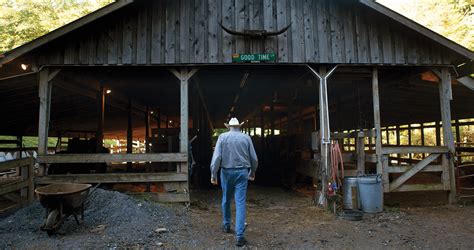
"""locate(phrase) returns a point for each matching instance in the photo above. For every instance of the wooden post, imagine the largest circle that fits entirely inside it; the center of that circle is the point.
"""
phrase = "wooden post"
(147, 144)
(458, 132)
(377, 122)
(422, 127)
(272, 121)
(184, 74)
(445, 96)
(99, 135)
(19, 145)
(184, 122)
(129, 133)
(147, 130)
(438, 133)
(360, 147)
(398, 142)
(44, 111)
(410, 156)
(262, 135)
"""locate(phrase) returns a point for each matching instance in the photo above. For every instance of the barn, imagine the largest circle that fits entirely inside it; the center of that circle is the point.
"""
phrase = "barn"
(303, 74)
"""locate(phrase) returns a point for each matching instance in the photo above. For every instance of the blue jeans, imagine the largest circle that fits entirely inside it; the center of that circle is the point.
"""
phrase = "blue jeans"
(234, 183)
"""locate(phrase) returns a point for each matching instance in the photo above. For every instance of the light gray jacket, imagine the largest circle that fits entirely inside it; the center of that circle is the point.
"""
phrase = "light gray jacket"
(234, 149)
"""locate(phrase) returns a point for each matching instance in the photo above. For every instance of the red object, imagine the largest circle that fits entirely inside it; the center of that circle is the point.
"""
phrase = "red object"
(330, 190)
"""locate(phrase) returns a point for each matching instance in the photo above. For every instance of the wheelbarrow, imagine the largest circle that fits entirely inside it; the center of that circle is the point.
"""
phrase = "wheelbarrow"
(62, 200)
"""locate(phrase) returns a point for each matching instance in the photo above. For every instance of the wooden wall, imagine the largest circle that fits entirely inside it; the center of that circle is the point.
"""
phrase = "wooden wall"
(187, 31)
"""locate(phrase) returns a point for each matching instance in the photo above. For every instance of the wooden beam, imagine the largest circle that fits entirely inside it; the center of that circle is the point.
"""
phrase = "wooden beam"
(403, 169)
(45, 87)
(99, 135)
(419, 187)
(13, 186)
(415, 169)
(113, 178)
(413, 150)
(445, 95)
(99, 158)
(467, 81)
(360, 155)
(53, 74)
(377, 121)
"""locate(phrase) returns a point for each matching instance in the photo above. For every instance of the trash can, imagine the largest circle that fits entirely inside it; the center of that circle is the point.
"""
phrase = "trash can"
(348, 186)
(370, 193)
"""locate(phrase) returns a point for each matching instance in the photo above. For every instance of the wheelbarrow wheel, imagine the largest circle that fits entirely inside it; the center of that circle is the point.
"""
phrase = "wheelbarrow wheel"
(52, 222)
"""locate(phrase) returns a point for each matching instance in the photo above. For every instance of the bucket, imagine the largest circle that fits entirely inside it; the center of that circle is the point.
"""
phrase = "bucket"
(370, 193)
(349, 184)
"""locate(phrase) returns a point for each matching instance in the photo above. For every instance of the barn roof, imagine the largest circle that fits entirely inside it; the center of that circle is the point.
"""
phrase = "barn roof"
(119, 4)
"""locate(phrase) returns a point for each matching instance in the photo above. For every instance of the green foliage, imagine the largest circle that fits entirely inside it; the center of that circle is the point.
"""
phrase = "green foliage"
(28, 141)
(25, 20)
(453, 19)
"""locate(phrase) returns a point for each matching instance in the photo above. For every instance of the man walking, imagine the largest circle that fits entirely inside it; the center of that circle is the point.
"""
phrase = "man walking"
(235, 155)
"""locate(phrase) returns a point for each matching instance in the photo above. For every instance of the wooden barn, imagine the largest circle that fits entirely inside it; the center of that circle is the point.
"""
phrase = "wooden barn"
(303, 74)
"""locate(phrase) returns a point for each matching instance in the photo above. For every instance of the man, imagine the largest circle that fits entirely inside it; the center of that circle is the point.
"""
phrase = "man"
(235, 155)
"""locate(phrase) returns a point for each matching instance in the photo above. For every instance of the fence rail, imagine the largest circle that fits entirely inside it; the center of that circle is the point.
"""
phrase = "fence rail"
(23, 182)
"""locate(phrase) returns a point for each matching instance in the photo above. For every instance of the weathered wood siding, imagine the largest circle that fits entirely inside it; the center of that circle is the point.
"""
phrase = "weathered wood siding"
(187, 31)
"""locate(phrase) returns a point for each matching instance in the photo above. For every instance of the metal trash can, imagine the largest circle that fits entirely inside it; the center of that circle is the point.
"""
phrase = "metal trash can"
(349, 184)
(370, 193)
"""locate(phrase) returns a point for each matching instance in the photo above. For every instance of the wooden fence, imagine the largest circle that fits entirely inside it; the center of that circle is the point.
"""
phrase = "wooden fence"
(396, 176)
(22, 183)
(178, 180)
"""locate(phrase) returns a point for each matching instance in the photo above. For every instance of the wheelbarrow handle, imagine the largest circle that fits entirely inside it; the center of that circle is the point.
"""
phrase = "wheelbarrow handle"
(95, 187)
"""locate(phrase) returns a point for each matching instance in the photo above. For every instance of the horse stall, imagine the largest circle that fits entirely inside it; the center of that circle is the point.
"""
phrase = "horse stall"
(311, 79)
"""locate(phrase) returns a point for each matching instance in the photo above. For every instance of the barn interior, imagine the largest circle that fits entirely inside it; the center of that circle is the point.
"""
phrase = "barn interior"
(281, 102)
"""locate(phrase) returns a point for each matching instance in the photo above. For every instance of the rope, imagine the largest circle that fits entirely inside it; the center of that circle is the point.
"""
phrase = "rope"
(336, 160)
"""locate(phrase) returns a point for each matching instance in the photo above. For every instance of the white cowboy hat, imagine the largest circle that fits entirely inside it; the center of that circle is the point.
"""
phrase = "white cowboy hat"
(233, 123)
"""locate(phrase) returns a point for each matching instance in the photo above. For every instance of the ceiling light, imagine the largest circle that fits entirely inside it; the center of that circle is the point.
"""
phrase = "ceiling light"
(24, 66)
(108, 91)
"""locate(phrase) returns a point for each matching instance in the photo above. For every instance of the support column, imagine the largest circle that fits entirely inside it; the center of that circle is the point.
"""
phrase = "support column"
(129, 133)
(398, 142)
(19, 145)
(262, 135)
(44, 111)
(147, 131)
(458, 132)
(184, 74)
(360, 147)
(438, 133)
(325, 130)
(445, 96)
(377, 126)
(99, 135)
(410, 156)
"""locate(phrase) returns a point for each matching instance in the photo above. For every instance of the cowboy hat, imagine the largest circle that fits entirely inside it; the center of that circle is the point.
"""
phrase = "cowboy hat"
(233, 123)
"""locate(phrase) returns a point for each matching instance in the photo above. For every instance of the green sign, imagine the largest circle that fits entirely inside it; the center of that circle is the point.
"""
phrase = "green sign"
(239, 58)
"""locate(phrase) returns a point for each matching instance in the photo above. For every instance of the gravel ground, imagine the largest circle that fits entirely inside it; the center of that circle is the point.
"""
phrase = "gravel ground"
(277, 218)
(112, 219)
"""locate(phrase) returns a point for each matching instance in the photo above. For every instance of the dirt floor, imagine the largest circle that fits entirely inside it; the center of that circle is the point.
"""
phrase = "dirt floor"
(280, 218)
(277, 218)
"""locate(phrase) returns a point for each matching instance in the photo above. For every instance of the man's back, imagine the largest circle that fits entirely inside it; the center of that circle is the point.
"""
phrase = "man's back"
(234, 150)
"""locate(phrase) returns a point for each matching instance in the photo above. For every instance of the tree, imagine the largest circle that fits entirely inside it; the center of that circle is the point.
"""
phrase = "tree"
(25, 20)
(453, 19)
